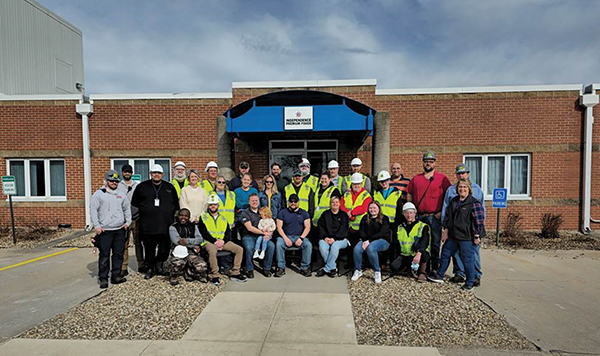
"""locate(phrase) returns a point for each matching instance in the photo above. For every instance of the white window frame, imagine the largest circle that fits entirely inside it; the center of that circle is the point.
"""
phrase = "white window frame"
(27, 173)
(507, 168)
(151, 162)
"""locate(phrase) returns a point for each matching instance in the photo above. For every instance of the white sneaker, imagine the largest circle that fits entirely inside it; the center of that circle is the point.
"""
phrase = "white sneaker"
(255, 254)
(377, 277)
(356, 275)
(261, 255)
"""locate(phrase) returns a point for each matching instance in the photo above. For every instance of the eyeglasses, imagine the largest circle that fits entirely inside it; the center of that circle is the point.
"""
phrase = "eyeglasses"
(221, 182)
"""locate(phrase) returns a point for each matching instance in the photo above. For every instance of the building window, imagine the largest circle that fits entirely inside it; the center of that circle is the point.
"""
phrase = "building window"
(142, 166)
(39, 179)
(511, 171)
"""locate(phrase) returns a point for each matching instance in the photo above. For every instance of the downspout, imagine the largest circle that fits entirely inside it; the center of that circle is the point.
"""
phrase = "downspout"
(86, 109)
(589, 99)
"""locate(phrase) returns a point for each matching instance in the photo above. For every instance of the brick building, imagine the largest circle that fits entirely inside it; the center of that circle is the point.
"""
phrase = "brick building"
(529, 139)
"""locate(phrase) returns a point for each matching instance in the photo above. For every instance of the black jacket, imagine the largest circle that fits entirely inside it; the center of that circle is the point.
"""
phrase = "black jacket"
(333, 225)
(374, 231)
(460, 222)
(155, 219)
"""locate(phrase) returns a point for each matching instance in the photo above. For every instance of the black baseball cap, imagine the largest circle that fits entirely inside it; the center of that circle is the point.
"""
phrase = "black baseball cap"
(127, 168)
(293, 198)
(244, 164)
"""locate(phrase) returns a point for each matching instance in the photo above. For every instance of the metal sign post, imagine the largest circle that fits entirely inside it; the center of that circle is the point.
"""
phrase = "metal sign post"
(9, 187)
(500, 196)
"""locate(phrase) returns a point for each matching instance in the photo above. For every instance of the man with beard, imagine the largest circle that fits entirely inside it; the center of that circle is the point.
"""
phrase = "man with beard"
(127, 187)
(185, 234)
(236, 182)
(209, 184)
(356, 165)
(309, 179)
(179, 177)
(426, 191)
(280, 181)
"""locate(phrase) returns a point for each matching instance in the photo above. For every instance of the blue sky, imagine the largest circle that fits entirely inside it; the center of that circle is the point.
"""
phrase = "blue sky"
(203, 46)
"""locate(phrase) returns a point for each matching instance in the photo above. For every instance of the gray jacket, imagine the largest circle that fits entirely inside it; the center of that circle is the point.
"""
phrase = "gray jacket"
(128, 190)
(110, 209)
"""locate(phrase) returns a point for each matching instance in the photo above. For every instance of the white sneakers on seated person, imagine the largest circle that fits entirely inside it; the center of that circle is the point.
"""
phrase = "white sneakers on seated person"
(377, 277)
(356, 275)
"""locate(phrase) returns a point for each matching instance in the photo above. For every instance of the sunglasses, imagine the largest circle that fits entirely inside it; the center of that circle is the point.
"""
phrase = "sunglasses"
(269, 181)
(220, 182)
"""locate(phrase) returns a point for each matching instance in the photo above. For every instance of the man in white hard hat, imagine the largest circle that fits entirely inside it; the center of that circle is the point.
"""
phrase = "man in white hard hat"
(212, 171)
(309, 179)
(179, 177)
(157, 202)
(414, 246)
(356, 168)
(334, 170)
(185, 258)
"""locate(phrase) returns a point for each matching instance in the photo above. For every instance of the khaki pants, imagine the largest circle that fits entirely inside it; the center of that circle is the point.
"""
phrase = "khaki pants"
(212, 250)
(132, 232)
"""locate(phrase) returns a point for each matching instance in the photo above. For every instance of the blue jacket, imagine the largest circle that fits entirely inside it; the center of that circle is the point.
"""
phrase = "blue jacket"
(275, 202)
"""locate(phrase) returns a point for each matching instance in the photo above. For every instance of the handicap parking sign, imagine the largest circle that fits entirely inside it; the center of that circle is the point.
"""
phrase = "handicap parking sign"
(500, 196)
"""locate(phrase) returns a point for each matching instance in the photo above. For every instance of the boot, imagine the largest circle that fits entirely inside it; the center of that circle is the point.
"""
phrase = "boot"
(149, 273)
(421, 273)
(159, 269)
(174, 278)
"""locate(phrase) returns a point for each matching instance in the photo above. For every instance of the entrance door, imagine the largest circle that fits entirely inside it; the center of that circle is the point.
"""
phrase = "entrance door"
(289, 153)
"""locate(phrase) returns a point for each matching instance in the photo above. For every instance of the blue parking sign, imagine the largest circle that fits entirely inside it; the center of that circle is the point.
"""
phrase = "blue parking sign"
(500, 195)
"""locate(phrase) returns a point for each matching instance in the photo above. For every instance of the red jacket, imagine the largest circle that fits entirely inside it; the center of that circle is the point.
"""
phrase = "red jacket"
(359, 210)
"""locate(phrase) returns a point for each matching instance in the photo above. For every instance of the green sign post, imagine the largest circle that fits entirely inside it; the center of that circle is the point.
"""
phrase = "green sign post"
(136, 177)
(9, 187)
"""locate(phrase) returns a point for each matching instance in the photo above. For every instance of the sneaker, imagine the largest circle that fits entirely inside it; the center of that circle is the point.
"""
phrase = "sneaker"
(477, 282)
(306, 272)
(262, 255)
(149, 274)
(321, 273)
(250, 274)
(458, 279)
(467, 287)
(118, 280)
(174, 281)
(255, 255)
(268, 274)
(332, 273)
(279, 273)
(356, 275)
(215, 281)
(238, 278)
(377, 277)
(435, 278)
(104, 283)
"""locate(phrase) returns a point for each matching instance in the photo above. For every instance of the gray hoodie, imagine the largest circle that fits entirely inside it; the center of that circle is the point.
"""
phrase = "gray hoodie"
(128, 190)
(110, 209)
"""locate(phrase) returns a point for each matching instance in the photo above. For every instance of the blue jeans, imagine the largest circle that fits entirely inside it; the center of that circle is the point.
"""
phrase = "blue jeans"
(249, 242)
(436, 239)
(372, 250)
(261, 244)
(459, 268)
(330, 252)
(467, 253)
(306, 252)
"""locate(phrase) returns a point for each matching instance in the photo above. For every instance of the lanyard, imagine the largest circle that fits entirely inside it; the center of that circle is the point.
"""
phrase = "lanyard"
(156, 191)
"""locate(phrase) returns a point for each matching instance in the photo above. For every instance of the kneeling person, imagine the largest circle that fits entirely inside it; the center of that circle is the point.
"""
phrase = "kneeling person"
(414, 239)
(184, 233)
(215, 229)
(293, 226)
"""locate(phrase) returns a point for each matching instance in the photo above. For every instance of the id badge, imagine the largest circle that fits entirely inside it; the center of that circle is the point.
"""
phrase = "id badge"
(157, 202)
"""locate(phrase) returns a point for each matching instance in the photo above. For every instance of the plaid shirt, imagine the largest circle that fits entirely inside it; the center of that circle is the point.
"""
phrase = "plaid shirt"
(477, 216)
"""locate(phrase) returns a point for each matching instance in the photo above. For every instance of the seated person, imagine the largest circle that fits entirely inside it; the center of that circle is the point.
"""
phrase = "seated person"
(374, 235)
(266, 225)
(293, 226)
(250, 232)
(333, 233)
(184, 233)
(414, 238)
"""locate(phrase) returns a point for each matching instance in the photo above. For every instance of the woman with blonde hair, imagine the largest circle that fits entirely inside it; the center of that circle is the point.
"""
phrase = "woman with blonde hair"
(193, 197)
(269, 196)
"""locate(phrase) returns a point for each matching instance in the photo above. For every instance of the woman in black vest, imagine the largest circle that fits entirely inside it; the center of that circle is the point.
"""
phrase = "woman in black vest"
(461, 230)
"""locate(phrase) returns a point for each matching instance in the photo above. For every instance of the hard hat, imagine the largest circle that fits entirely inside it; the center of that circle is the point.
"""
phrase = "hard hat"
(304, 162)
(429, 155)
(356, 162)
(112, 176)
(213, 199)
(157, 168)
(180, 251)
(211, 164)
(179, 163)
(383, 176)
(333, 164)
(409, 206)
(357, 178)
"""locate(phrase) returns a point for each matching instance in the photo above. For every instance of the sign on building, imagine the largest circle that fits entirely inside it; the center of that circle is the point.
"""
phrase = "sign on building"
(9, 185)
(298, 118)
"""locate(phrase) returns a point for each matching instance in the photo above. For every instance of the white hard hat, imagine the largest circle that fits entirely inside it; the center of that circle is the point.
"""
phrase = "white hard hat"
(213, 199)
(356, 162)
(409, 206)
(211, 164)
(180, 251)
(357, 178)
(179, 163)
(157, 168)
(383, 175)
(333, 164)
(304, 162)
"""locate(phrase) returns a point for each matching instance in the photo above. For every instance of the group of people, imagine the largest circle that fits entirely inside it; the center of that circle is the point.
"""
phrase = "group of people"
(190, 220)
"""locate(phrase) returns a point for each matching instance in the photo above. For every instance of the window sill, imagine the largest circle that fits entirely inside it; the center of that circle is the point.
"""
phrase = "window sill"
(38, 199)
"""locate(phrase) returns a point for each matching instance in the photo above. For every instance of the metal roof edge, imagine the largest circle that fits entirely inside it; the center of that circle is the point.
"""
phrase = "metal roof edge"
(4, 97)
(55, 16)
(490, 89)
(159, 96)
(303, 83)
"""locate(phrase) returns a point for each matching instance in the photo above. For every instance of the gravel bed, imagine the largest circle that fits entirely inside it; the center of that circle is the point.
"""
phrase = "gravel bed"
(402, 312)
(530, 240)
(135, 310)
(29, 238)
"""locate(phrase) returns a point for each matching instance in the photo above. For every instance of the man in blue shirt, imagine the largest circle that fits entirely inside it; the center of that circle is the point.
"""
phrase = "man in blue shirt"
(293, 226)
(462, 172)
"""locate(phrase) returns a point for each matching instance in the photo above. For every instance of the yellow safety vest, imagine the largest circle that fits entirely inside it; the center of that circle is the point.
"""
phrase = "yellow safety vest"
(408, 240)
(323, 204)
(348, 180)
(355, 224)
(208, 188)
(388, 206)
(303, 195)
(228, 209)
(313, 183)
(215, 227)
(186, 182)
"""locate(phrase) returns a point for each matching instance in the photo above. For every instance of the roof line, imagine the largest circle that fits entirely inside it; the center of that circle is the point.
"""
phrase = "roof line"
(304, 83)
(4, 97)
(55, 16)
(490, 89)
(158, 96)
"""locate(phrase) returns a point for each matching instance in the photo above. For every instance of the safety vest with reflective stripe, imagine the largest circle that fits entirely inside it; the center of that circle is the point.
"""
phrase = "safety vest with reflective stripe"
(348, 180)
(215, 227)
(313, 183)
(355, 224)
(186, 182)
(388, 206)
(303, 195)
(322, 204)
(228, 209)
(208, 188)
(408, 240)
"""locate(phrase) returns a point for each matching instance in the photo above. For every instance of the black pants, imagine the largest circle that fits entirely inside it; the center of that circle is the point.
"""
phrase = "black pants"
(150, 242)
(403, 263)
(110, 241)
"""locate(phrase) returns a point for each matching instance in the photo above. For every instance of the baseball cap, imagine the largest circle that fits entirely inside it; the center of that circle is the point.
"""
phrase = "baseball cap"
(293, 198)
(127, 168)
(112, 176)
(244, 164)
(461, 168)
(297, 173)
